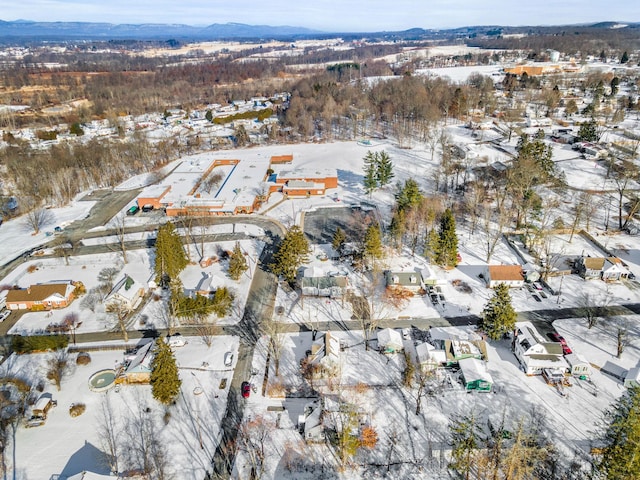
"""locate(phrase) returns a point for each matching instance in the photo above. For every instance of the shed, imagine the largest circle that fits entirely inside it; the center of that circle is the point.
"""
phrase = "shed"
(578, 365)
(475, 375)
(389, 341)
(632, 379)
(429, 357)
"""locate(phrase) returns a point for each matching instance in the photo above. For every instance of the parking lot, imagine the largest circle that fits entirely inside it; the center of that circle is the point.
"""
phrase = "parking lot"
(321, 224)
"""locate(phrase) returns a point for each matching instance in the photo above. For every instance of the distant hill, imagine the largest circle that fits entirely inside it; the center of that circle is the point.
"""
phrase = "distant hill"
(102, 31)
(30, 30)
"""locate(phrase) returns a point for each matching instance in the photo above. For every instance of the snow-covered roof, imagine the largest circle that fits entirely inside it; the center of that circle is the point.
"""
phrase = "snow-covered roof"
(389, 336)
(454, 333)
(474, 369)
(427, 353)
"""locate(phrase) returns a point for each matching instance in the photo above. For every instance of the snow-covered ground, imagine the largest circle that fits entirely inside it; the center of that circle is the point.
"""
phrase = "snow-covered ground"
(67, 446)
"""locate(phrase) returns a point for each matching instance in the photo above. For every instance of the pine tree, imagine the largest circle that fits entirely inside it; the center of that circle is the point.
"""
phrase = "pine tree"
(407, 195)
(237, 263)
(370, 173)
(222, 302)
(431, 245)
(624, 58)
(465, 442)
(165, 381)
(373, 242)
(338, 241)
(498, 316)
(621, 454)
(171, 258)
(291, 254)
(447, 250)
(384, 168)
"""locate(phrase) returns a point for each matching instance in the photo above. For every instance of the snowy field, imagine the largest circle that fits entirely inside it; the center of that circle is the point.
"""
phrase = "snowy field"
(139, 267)
(67, 446)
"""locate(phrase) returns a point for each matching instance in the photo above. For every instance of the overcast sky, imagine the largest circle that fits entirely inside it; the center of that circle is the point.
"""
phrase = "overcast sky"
(328, 15)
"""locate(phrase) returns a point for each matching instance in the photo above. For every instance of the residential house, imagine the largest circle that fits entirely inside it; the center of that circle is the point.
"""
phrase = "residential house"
(314, 282)
(475, 375)
(407, 280)
(325, 355)
(310, 422)
(41, 297)
(429, 357)
(390, 341)
(510, 275)
(590, 267)
(127, 293)
(610, 269)
(458, 343)
(136, 368)
(534, 353)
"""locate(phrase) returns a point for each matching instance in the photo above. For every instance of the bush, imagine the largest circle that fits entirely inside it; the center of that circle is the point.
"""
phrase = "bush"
(39, 343)
(83, 358)
(77, 409)
(32, 268)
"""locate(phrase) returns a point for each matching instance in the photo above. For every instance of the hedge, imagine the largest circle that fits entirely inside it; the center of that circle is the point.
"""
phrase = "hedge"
(38, 343)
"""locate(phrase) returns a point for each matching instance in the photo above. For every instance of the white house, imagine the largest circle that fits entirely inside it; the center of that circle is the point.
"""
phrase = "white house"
(126, 292)
(534, 353)
(390, 341)
(310, 422)
(579, 366)
(325, 353)
(510, 275)
(429, 357)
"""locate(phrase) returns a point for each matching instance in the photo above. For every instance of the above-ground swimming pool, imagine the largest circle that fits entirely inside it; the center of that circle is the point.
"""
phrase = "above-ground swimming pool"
(102, 380)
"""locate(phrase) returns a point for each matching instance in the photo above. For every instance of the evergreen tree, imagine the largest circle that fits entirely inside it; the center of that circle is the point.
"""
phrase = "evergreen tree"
(338, 241)
(171, 258)
(624, 58)
(370, 173)
(373, 242)
(222, 302)
(237, 263)
(292, 253)
(165, 381)
(588, 131)
(384, 168)
(465, 442)
(407, 195)
(621, 454)
(447, 250)
(431, 245)
(209, 116)
(498, 316)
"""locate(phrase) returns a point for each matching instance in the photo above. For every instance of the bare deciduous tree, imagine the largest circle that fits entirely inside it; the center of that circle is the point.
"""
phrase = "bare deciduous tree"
(37, 218)
(58, 367)
(109, 433)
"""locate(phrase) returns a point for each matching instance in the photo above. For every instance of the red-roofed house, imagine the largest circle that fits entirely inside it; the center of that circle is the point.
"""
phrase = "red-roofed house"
(510, 275)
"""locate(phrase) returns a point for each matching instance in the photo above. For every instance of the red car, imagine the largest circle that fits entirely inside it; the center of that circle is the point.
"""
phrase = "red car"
(560, 339)
(246, 389)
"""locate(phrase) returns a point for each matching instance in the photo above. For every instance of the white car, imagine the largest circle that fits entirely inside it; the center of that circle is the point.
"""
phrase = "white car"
(4, 315)
(176, 341)
(228, 359)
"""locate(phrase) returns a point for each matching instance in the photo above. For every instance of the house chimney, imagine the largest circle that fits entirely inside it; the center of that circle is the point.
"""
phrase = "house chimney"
(29, 290)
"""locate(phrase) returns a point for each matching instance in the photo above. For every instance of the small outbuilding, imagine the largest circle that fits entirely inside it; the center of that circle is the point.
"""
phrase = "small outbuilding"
(429, 357)
(632, 379)
(475, 375)
(390, 341)
(578, 365)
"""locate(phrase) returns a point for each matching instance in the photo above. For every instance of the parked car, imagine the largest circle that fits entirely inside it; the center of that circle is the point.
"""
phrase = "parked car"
(228, 359)
(406, 333)
(537, 286)
(556, 337)
(4, 315)
(530, 288)
(536, 298)
(35, 421)
(133, 210)
(246, 389)
(542, 294)
(147, 208)
(434, 298)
